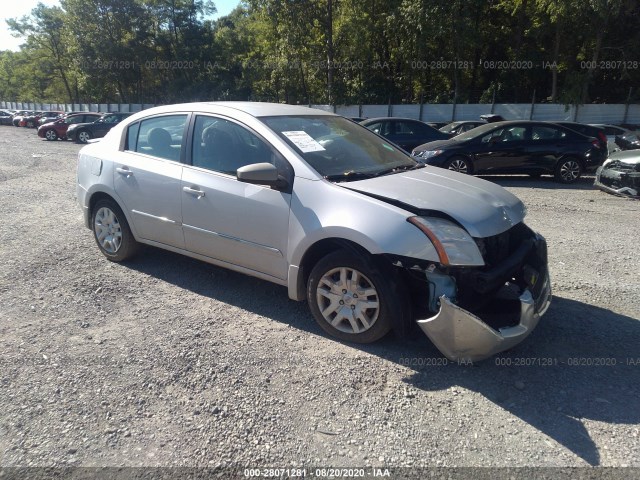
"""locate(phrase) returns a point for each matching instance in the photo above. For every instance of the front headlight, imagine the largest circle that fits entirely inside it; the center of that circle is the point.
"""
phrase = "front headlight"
(454, 245)
(431, 153)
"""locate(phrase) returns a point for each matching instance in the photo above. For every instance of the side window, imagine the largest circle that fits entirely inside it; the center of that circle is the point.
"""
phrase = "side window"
(540, 133)
(406, 128)
(224, 146)
(132, 137)
(493, 136)
(161, 136)
(513, 134)
(75, 119)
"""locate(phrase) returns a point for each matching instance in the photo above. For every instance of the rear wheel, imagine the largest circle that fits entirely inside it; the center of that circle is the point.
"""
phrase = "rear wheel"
(111, 231)
(350, 299)
(568, 170)
(51, 135)
(83, 136)
(459, 164)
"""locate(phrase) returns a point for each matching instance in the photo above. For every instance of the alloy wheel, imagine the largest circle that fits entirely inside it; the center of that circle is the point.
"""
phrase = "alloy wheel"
(570, 171)
(458, 165)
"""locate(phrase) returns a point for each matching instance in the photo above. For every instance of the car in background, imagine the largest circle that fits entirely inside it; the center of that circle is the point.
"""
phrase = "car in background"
(628, 141)
(17, 118)
(437, 125)
(83, 132)
(5, 117)
(620, 174)
(492, 118)
(373, 240)
(407, 133)
(611, 131)
(589, 131)
(30, 120)
(58, 128)
(49, 116)
(525, 147)
(456, 128)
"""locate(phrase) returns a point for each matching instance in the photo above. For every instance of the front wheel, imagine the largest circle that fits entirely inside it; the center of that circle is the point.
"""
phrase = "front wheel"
(349, 299)
(51, 135)
(83, 136)
(459, 164)
(111, 231)
(568, 170)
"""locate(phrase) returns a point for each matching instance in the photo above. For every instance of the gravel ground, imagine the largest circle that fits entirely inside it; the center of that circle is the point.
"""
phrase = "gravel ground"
(167, 361)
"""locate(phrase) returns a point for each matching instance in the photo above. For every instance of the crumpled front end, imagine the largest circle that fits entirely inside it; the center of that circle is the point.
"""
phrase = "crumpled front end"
(484, 312)
(619, 177)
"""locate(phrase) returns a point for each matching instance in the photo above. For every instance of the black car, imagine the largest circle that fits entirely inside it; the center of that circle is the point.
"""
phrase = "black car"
(456, 128)
(404, 132)
(533, 148)
(5, 117)
(83, 132)
(628, 141)
(589, 131)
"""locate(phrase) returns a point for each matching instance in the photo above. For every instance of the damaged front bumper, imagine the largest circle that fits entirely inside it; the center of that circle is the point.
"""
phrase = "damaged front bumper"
(619, 179)
(462, 336)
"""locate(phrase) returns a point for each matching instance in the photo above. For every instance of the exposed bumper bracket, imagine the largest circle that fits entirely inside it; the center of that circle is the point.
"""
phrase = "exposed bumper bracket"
(461, 336)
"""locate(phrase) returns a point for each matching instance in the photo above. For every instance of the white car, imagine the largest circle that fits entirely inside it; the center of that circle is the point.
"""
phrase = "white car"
(372, 239)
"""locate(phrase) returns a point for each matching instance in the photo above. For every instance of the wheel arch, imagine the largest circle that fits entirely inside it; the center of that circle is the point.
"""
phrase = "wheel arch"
(101, 194)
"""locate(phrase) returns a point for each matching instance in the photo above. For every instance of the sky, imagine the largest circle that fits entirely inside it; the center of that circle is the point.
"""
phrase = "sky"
(17, 9)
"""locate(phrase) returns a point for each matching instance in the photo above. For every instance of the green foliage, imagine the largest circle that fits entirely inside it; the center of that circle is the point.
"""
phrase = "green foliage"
(326, 51)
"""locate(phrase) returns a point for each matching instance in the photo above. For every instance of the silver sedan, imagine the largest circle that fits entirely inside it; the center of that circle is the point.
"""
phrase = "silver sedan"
(373, 240)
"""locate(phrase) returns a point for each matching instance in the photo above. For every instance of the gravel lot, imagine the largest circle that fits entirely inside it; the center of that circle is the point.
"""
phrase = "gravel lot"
(167, 361)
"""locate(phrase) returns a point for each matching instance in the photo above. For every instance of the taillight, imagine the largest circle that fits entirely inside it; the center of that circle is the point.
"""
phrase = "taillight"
(602, 137)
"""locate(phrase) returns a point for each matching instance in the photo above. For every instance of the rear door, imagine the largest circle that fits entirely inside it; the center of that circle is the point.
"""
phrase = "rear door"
(147, 177)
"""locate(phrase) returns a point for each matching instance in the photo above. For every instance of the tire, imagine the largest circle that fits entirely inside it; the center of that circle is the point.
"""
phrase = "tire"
(51, 135)
(330, 289)
(458, 164)
(111, 231)
(30, 125)
(568, 170)
(83, 136)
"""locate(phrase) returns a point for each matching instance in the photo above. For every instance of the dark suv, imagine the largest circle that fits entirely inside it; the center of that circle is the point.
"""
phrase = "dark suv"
(58, 128)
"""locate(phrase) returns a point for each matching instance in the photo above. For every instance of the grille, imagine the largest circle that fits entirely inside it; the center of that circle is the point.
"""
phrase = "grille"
(497, 248)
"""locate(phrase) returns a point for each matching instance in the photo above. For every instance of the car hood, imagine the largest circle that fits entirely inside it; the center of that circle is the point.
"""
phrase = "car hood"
(630, 157)
(436, 145)
(483, 208)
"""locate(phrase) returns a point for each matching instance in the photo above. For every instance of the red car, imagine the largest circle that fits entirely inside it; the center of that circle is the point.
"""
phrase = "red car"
(58, 128)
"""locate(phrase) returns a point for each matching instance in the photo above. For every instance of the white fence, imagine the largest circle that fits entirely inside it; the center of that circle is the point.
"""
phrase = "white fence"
(591, 113)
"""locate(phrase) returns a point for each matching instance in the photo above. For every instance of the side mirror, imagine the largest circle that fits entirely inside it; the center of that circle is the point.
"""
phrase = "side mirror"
(261, 174)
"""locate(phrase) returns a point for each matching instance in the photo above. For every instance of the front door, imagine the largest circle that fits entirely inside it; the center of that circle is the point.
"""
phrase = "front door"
(223, 218)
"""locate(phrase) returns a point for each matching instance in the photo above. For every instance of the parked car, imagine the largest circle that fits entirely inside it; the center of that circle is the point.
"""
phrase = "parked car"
(404, 132)
(50, 116)
(492, 118)
(628, 141)
(5, 117)
(589, 131)
(620, 174)
(611, 131)
(456, 128)
(372, 239)
(534, 148)
(17, 118)
(58, 128)
(83, 132)
(30, 120)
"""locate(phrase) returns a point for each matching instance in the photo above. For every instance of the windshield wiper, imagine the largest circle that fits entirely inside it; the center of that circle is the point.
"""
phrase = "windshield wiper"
(349, 176)
(401, 168)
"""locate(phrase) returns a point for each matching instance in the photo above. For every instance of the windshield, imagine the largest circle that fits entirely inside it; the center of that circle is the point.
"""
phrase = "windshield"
(339, 148)
(475, 132)
(449, 128)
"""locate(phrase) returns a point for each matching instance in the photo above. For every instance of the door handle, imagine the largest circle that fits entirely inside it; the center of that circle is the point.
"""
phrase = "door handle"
(124, 171)
(193, 191)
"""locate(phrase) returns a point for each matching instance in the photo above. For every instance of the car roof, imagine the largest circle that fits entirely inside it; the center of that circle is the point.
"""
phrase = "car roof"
(378, 119)
(256, 109)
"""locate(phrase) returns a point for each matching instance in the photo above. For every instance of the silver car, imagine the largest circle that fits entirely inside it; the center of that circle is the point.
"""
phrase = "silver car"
(373, 240)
